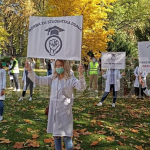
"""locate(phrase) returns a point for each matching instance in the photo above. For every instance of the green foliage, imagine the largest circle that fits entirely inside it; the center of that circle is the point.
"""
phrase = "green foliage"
(122, 43)
(143, 33)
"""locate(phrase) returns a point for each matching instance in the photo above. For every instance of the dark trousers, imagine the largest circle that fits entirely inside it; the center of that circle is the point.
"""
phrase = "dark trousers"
(114, 94)
(17, 84)
(1, 107)
(28, 83)
(138, 91)
(12, 82)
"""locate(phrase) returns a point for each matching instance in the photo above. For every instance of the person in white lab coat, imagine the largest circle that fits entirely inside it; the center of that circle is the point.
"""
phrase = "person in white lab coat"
(60, 117)
(112, 77)
(137, 85)
(27, 83)
(2, 89)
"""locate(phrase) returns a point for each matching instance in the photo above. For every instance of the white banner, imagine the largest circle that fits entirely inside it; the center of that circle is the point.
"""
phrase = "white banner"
(55, 37)
(144, 56)
(113, 60)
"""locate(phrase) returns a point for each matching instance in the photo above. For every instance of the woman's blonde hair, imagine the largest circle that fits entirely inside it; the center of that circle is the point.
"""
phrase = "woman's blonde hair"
(66, 66)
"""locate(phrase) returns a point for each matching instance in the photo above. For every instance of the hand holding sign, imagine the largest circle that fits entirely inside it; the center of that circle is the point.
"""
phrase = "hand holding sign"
(80, 70)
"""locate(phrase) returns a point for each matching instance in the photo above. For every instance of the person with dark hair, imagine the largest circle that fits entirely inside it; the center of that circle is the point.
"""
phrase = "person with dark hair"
(49, 67)
(112, 82)
(15, 71)
(137, 85)
(60, 117)
(2, 89)
(93, 73)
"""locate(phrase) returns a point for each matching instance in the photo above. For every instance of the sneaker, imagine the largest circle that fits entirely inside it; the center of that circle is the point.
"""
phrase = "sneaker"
(30, 99)
(113, 105)
(10, 88)
(15, 89)
(20, 99)
(137, 98)
(1, 118)
(99, 104)
(96, 91)
(18, 90)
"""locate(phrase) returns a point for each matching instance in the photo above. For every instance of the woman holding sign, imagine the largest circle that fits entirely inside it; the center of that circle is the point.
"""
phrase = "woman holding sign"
(60, 118)
(112, 77)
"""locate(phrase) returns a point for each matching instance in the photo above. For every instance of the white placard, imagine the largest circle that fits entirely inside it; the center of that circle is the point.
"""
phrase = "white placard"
(55, 37)
(144, 56)
(113, 60)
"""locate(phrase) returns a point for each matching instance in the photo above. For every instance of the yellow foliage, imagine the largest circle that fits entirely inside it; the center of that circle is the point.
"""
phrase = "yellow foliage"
(95, 35)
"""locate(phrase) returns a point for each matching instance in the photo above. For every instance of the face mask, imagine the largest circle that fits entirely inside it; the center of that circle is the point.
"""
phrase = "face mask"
(11, 61)
(60, 70)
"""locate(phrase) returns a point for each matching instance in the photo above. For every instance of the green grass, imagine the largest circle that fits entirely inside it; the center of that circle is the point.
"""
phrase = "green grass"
(128, 114)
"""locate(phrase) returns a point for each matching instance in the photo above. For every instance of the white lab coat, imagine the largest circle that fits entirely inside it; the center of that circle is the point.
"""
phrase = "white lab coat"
(136, 73)
(2, 82)
(60, 118)
(117, 76)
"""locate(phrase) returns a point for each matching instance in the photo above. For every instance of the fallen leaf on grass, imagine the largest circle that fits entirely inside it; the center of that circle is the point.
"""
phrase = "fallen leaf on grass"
(19, 145)
(1, 139)
(29, 129)
(4, 132)
(32, 143)
(138, 147)
(93, 121)
(23, 109)
(27, 120)
(134, 131)
(3, 121)
(110, 138)
(124, 137)
(50, 140)
(34, 136)
(121, 144)
(17, 130)
(94, 143)
(5, 141)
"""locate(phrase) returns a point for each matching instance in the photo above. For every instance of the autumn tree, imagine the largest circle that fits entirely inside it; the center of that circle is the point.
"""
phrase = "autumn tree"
(3, 35)
(95, 34)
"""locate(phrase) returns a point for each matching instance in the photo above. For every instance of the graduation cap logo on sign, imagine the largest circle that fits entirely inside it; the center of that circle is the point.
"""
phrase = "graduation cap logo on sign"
(53, 44)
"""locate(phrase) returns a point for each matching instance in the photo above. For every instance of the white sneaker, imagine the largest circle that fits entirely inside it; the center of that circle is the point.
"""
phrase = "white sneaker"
(15, 89)
(89, 89)
(20, 99)
(1, 118)
(113, 104)
(18, 90)
(30, 99)
(99, 104)
(96, 91)
(10, 88)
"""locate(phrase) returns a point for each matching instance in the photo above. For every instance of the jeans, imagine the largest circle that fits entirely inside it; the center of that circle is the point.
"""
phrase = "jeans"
(114, 94)
(1, 107)
(49, 72)
(67, 140)
(17, 84)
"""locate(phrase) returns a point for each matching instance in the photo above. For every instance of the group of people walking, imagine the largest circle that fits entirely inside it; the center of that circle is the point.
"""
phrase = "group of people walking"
(62, 83)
